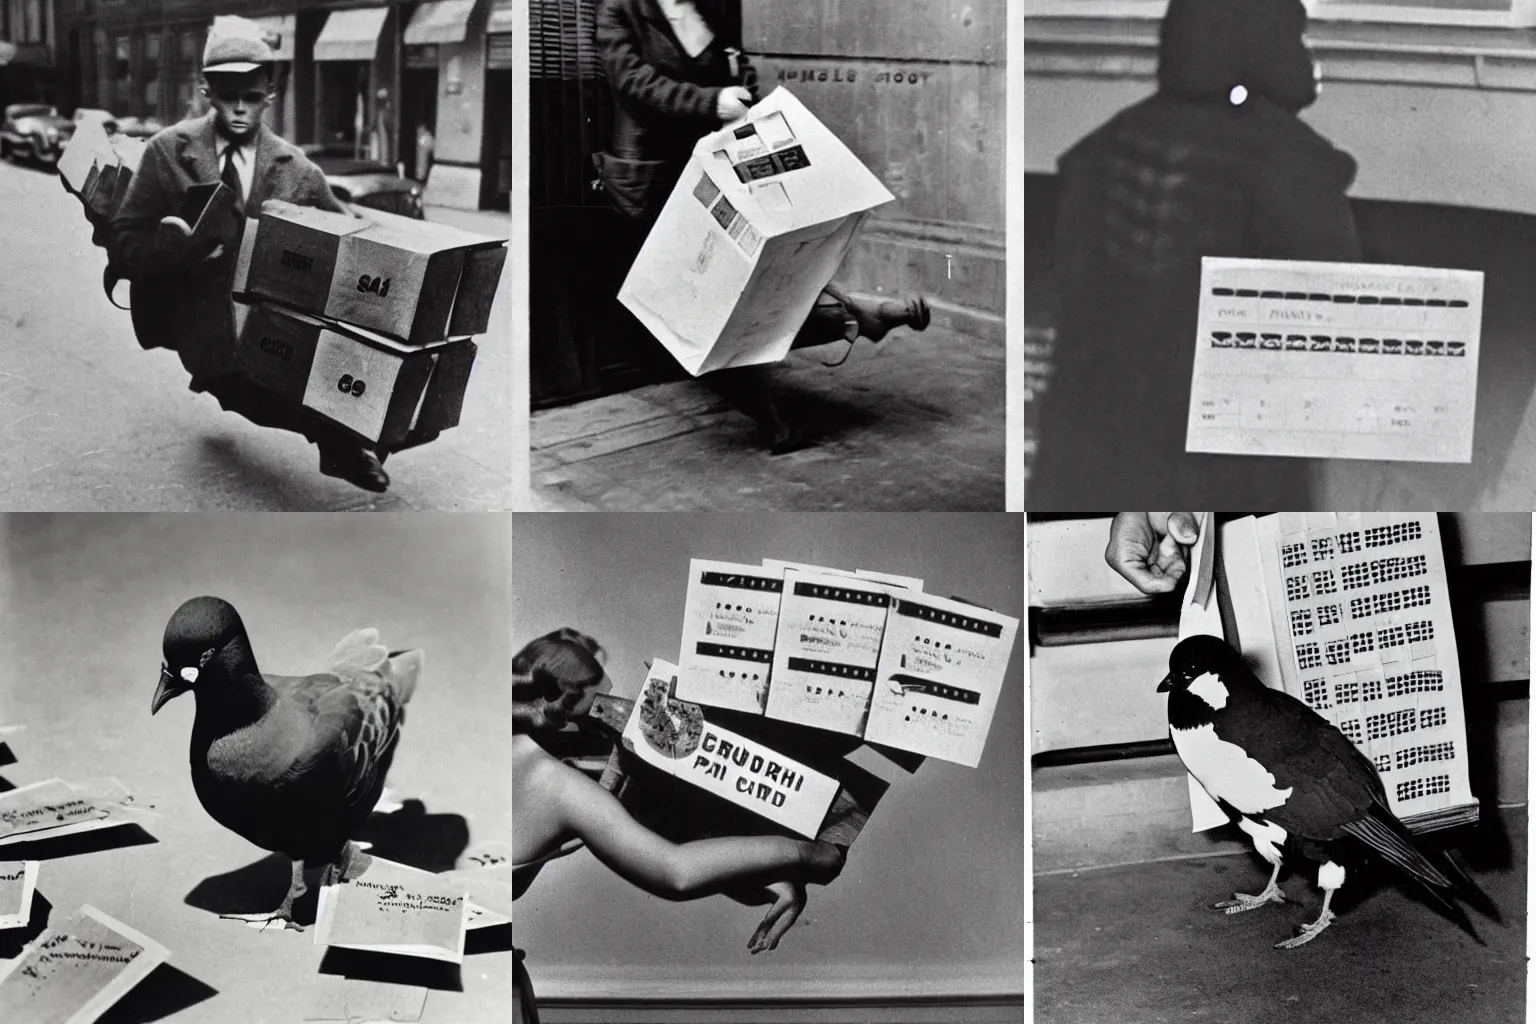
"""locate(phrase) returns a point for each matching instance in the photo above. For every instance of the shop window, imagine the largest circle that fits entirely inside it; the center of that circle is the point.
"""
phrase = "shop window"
(150, 73)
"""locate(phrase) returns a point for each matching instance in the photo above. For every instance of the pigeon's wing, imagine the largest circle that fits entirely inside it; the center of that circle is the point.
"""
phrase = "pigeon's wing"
(1331, 782)
(356, 727)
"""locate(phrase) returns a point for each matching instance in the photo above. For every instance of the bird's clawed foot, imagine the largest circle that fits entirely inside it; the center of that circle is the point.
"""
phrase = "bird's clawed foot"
(1241, 901)
(1309, 931)
(276, 920)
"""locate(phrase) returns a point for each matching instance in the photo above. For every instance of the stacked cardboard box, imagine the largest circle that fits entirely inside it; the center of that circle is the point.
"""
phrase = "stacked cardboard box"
(366, 320)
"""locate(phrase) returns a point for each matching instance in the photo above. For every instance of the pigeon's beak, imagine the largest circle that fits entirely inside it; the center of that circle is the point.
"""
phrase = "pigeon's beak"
(1166, 684)
(172, 686)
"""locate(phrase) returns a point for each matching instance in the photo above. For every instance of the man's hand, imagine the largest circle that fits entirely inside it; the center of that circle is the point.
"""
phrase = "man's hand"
(732, 103)
(1150, 549)
(789, 900)
(177, 224)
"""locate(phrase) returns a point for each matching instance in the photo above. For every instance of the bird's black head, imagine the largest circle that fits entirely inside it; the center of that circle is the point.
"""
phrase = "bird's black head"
(1196, 656)
(197, 632)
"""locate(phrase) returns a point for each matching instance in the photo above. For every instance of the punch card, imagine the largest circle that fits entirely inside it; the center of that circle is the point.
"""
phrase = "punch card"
(1362, 622)
(729, 624)
(1335, 360)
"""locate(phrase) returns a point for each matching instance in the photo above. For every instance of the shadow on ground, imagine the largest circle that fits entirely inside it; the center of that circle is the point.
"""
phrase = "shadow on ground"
(166, 991)
(410, 836)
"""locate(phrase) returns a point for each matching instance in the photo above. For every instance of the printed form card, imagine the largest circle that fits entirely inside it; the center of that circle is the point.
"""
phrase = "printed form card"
(729, 624)
(827, 650)
(75, 970)
(392, 908)
(941, 670)
(1335, 360)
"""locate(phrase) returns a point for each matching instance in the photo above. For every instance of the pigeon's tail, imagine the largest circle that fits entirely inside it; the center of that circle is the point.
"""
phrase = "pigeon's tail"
(1466, 888)
(1390, 839)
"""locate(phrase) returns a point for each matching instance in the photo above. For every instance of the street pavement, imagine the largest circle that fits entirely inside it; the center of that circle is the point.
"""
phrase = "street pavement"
(89, 421)
(914, 423)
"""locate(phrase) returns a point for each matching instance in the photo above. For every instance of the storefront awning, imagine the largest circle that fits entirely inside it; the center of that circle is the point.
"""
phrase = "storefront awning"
(351, 35)
(25, 53)
(501, 18)
(279, 32)
(439, 21)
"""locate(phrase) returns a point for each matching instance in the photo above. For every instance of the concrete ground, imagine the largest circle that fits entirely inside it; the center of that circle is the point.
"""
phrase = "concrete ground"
(89, 421)
(86, 600)
(914, 423)
(1140, 943)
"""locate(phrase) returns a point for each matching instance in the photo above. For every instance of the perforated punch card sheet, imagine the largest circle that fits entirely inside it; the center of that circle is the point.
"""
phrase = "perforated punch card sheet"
(1363, 623)
(1335, 360)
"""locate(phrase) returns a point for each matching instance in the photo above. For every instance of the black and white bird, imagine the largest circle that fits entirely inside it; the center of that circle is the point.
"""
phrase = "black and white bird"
(294, 764)
(1283, 772)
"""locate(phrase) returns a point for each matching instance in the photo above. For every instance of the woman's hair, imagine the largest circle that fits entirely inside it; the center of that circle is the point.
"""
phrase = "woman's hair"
(1207, 47)
(550, 676)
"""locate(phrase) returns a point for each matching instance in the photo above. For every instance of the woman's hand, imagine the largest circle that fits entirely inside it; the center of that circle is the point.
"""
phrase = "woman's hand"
(789, 900)
(732, 103)
(1151, 549)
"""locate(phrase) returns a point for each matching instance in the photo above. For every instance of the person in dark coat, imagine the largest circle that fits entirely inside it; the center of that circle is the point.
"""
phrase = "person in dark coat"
(1217, 163)
(181, 285)
(677, 73)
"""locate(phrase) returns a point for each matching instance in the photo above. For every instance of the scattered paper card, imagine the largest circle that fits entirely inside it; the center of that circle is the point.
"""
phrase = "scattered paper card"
(675, 737)
(906, 582)
(339, 998)
(392, 908)
(1335, 360)
(826, 650)
(75, 970)
(941, 671)
(18, 879)
(54, 808)
(729, 622)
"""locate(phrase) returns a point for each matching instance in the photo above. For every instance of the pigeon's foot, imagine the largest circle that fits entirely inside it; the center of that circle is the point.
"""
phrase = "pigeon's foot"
(352, 863)
(1241, 901)
(275, 920)
(1308, 932)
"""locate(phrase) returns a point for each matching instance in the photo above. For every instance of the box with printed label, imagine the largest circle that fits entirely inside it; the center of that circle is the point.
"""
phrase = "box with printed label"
(378, 388)
(390, 274)
(87, 150)
(762, 218)
(115, 170)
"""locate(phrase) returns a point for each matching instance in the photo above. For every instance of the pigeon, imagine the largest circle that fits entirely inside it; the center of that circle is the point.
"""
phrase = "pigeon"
(1283, 772)
(294, 764)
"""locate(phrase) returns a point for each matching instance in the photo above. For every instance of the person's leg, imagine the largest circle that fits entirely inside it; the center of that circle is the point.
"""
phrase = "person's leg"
(839, 316)
(341, 455)
(750, 389)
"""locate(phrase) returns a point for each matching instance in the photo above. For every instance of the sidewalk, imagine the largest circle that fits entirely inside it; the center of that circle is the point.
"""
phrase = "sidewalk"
(914, 423)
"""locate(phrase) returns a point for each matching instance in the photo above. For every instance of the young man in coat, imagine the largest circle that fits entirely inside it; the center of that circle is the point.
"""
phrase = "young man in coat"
(181, 285)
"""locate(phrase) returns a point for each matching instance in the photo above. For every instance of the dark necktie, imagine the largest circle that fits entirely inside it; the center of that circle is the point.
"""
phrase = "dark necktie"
(231, 176)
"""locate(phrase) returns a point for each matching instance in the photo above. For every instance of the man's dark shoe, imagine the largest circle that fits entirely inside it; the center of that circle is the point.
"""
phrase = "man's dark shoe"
(357, 466)
(877, 317)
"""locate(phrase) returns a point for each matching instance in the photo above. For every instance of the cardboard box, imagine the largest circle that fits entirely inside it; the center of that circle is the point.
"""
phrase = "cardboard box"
(79, 161)
(762, 218)
(378, 388)
(390, 274)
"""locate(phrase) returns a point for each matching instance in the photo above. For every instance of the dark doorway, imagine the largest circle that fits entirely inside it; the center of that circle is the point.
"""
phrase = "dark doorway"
(418, 119)
(342, 94)
(496, 156)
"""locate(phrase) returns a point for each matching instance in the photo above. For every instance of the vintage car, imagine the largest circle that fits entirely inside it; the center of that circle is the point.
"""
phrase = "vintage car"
(366, 183)
(34, 131)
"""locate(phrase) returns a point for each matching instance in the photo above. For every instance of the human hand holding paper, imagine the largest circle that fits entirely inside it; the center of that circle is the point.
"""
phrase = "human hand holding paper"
(732, 103)
(1151, 549)
(177, 224)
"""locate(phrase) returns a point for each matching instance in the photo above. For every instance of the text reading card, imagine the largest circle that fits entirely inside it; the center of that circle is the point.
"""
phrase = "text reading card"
(827, 648)
(17, 881)
(1335, 360)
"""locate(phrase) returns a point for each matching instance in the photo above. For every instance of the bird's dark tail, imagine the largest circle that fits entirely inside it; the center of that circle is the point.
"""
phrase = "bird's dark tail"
(1390, 839)
(1466, 888)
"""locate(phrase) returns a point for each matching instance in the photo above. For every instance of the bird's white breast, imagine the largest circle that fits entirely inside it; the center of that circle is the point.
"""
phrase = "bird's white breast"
(1226, 771)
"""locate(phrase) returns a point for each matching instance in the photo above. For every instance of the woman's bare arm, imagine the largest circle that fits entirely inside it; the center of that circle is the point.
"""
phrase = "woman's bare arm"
(673, 870)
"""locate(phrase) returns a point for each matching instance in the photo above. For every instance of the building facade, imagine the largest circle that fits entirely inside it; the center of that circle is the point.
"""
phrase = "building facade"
(29, 36)
(425, 84)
